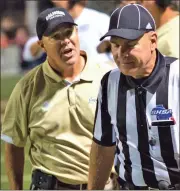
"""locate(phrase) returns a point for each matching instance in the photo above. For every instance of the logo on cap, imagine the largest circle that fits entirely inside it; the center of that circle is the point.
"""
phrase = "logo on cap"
(55, 14)
(148, 26)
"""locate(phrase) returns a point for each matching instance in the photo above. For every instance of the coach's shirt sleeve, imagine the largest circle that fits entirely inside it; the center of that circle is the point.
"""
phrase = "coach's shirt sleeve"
(103, 130)
(14, 126)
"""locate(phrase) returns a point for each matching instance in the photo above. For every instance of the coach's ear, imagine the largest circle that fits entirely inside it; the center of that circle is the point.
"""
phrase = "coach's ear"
(40, 43)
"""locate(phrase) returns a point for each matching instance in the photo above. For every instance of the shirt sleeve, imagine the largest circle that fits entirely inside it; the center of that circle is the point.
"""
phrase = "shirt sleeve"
(14, 126)
(104, 133)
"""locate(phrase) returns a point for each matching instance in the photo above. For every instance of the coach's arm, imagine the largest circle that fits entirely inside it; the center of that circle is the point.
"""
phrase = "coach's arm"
(14, 161)
(101, 161)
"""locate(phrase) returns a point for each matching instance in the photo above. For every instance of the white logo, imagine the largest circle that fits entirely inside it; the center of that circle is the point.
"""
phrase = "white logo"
(92, 100)
(148, 26)
(55, 14)
(45, 106)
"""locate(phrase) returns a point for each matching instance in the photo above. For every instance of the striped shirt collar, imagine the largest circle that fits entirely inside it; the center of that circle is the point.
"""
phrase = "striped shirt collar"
(152, 82)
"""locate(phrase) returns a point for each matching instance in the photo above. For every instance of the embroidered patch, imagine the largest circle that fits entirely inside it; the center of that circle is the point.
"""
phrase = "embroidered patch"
(45, 106)
(164, 116)
(92, 100)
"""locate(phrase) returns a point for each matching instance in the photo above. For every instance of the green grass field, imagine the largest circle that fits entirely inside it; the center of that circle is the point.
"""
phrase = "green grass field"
(7, 84)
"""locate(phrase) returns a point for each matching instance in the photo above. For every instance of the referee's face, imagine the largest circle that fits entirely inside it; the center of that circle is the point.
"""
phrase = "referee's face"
(135, 58)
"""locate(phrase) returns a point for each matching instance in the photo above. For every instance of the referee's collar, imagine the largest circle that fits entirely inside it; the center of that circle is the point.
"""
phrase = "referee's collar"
(153, 81)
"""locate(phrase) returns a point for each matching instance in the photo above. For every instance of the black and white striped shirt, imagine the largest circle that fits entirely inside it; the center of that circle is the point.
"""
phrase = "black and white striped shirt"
(125, 112)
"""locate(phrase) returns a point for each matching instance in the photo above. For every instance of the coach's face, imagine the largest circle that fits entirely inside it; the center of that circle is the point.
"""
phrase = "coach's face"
(62, 47)
(134, 57)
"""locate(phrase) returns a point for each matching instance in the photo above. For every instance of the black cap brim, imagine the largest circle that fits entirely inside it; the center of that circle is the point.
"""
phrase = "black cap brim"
(130, 34)
(53, 26)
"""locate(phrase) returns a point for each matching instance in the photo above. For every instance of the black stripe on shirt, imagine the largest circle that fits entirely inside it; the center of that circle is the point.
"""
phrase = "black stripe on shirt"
(121, 126)
(165, 138)
(143, 139)
(96, 112)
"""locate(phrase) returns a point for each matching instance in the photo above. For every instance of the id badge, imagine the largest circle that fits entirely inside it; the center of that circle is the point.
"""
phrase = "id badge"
(164, 116)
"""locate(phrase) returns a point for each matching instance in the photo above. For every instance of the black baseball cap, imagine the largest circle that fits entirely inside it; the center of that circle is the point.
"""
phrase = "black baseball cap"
(50, 19)
(130, 22)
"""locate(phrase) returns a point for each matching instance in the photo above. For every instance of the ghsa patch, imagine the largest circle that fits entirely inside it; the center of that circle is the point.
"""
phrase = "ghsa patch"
(164, 116)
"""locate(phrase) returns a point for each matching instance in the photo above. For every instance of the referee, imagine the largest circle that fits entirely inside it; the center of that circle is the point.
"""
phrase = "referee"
(137, 115)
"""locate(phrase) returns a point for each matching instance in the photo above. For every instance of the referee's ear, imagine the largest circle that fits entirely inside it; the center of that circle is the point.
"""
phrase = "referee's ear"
(76, 28)
(153, 39)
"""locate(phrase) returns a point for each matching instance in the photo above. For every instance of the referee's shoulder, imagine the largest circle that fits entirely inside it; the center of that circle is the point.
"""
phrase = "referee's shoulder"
(111, 76)
(173, 64)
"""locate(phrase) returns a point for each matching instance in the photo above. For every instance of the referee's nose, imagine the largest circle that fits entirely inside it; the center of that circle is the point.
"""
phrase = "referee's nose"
(123, 50)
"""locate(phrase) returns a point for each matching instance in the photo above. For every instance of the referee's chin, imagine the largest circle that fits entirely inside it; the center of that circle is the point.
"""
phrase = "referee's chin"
(129, 72)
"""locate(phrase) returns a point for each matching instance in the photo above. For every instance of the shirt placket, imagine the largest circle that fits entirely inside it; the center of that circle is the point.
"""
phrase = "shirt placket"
(71, 96)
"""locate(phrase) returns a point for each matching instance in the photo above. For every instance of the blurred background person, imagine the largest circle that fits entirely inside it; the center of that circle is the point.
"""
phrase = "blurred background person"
(9, 25)
(166, 15)
(22, 36)
(33, 54)
(4, 40)
(14, 35)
